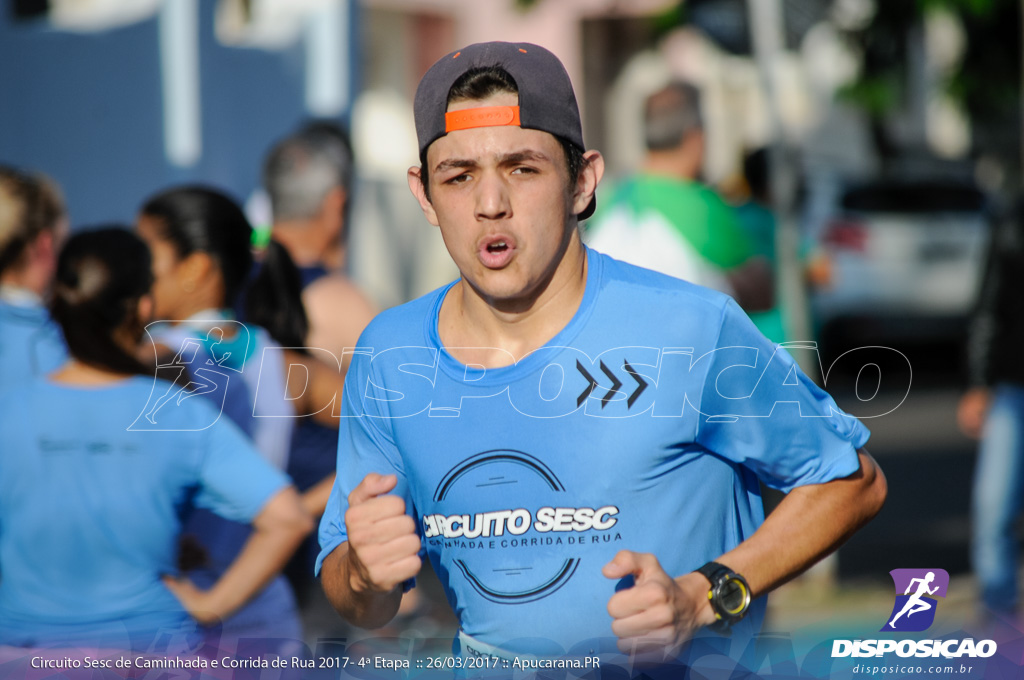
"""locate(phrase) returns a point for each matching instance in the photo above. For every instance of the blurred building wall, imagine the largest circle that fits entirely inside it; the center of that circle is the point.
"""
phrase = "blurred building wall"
(87, 109)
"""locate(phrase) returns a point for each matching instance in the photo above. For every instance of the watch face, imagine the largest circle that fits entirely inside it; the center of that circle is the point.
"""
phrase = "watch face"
(732, 595)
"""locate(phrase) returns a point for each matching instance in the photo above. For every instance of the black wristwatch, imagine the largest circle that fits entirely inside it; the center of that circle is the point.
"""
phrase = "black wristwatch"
(729, 595)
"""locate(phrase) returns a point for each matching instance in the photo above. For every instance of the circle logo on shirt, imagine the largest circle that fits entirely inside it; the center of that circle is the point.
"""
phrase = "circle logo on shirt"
(504, 512)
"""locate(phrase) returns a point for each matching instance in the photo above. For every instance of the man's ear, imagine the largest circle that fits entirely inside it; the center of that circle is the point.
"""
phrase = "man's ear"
(332, 211)
(589, 177)
(334, 203)
(692, 153)
(419, 191)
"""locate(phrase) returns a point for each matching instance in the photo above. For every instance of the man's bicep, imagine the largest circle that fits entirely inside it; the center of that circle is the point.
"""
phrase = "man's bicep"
(331, 533)
(330, 571)
(851, 500)
(868, 473)
(333, 578)
(812, 521)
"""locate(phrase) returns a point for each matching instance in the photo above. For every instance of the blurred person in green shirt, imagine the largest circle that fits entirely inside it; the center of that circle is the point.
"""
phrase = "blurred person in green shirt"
(663, 218)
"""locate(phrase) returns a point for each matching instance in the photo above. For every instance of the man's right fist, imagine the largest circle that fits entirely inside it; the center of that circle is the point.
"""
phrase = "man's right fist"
(382, 540)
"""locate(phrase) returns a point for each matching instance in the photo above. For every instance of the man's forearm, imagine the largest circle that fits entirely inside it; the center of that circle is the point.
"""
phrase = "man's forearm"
(366, 609)
(809, 523)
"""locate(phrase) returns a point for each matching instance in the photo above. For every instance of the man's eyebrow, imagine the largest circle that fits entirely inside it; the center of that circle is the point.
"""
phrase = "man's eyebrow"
(509, 158)
(524, 155)
(455, 164)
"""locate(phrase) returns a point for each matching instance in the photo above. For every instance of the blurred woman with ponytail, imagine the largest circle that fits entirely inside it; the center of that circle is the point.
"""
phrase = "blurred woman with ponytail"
(32, 224)
(91, 505)
(203, 267)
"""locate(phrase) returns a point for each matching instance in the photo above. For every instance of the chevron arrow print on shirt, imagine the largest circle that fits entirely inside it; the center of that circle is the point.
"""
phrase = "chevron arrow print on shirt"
(592, 384)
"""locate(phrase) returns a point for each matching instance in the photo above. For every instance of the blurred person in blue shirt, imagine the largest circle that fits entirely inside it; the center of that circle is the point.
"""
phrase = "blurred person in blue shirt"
(92, 507)
(202, 263)
(32, 225)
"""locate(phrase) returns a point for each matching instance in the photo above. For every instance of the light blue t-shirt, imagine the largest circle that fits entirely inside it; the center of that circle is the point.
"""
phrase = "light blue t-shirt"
(90, 509)
(644, 424)
(31, 344)
(240, 370)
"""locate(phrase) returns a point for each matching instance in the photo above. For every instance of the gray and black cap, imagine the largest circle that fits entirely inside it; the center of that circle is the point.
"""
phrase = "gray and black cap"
(546, 98)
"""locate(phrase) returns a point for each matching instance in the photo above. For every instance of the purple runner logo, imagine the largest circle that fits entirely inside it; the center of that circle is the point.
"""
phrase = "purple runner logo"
(914, 610)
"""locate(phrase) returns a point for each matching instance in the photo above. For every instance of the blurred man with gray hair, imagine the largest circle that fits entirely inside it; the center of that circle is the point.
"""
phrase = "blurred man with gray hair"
(308, 177)
(663, 218)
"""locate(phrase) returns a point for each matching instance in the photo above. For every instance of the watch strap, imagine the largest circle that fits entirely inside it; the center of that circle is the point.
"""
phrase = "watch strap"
(710, 571)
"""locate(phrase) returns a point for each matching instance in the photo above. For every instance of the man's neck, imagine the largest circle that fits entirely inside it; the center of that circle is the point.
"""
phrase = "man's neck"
(502, 332)
(301, 238)
(671, 164)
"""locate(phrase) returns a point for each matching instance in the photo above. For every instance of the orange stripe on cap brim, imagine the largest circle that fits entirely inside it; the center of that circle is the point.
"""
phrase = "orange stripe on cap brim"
(484, 116)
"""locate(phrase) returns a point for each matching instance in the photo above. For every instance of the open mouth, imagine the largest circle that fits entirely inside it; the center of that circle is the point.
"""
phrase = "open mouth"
(497, 251)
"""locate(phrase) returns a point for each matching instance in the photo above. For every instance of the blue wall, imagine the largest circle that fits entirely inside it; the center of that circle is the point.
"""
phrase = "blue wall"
(87, 110)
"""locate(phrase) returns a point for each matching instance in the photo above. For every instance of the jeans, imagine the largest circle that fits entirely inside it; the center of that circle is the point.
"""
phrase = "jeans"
(997, 495)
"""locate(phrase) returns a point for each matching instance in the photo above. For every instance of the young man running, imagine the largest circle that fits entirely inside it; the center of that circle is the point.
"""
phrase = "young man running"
(575, 443)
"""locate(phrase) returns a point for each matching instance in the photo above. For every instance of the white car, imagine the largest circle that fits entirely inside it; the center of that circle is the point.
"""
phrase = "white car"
(906, 263)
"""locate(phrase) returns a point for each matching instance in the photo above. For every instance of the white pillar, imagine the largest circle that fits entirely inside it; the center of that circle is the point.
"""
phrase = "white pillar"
(179, 65)
(327, 60)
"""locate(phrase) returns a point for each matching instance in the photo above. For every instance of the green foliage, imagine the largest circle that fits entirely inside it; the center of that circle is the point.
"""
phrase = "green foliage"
(987, 81)
(978, 8)
(525, 5)
(669, 19)
(989, 77)
(877, 95)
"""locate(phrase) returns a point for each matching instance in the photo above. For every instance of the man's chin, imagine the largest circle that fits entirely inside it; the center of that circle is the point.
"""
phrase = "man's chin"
(503, 295)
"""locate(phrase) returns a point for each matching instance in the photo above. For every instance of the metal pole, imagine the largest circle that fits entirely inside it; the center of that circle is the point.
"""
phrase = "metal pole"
(767, 38)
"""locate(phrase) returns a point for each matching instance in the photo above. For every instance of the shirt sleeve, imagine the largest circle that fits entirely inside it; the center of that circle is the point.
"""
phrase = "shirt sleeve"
(365, 445)
(235, 481)
(759, 410)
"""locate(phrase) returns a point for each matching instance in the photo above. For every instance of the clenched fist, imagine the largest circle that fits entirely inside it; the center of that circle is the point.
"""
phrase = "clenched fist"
(383, 543)
(659, 613)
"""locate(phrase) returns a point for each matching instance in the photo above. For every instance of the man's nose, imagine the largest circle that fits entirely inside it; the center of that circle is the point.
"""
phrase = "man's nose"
(492, 198)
